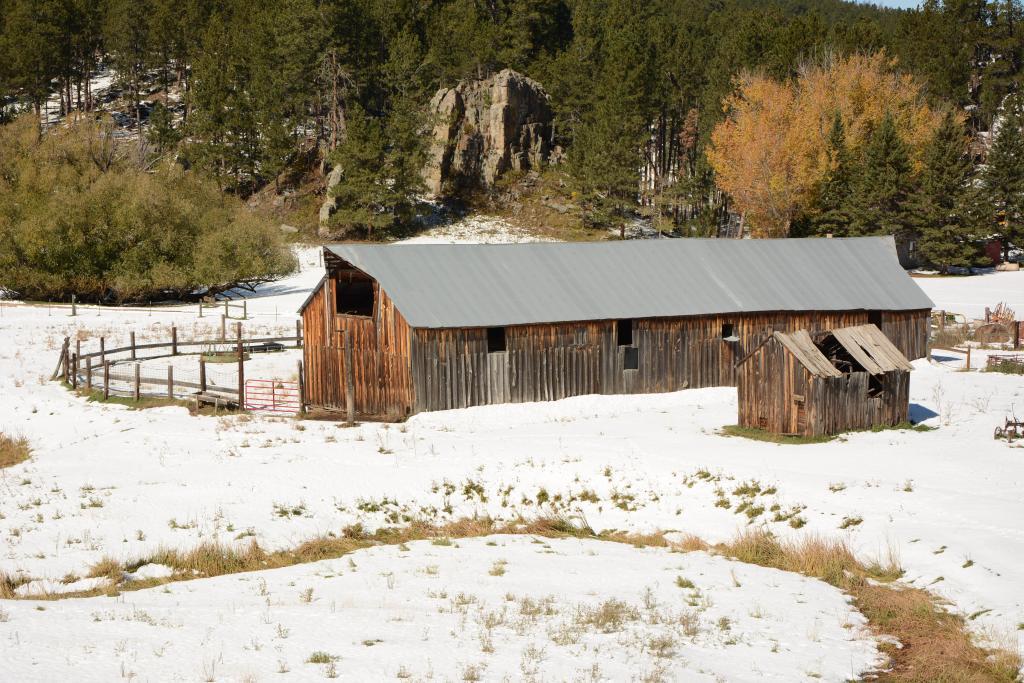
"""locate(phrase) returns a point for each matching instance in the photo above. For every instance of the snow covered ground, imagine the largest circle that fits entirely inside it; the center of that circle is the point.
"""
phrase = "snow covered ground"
(497, 608)
(108, 481)
(970, 295)
(474, 229)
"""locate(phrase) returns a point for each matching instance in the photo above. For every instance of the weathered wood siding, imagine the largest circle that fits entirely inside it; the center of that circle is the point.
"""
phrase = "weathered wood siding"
(380, 356)
(398, 370)
(908, 331)
(777, 394)
(451, 368)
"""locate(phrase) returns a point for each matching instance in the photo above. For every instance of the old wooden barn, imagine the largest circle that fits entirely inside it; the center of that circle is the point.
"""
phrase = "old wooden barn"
(433, 327)
(825, 383)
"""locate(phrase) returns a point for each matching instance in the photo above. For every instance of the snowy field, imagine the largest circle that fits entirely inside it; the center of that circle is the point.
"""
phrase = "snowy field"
(105, 481)
(970, 295)
(499, 608)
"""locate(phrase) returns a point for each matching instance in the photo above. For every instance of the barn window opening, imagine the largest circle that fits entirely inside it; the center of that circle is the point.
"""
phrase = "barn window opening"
(624, 332)
(875, 387)
(495, 339)
(729, 332)
(354, 298)
(631, 358)
(875, 318)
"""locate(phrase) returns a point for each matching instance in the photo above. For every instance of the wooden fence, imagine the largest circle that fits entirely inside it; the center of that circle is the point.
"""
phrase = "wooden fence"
(119, 370)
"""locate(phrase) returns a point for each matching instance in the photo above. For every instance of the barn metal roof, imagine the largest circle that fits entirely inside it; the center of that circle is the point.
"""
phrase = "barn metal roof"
(483, 285)
(866, 343)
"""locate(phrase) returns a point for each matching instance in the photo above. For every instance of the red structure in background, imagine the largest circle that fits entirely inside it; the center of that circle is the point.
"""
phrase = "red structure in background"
(994, 250)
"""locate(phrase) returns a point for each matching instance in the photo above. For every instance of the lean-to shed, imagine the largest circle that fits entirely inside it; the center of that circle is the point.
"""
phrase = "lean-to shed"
(823, 383)
(432, 327)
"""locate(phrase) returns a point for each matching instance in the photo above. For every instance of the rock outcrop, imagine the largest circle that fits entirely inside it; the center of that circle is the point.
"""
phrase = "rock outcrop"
(485, 128)
(330, 204)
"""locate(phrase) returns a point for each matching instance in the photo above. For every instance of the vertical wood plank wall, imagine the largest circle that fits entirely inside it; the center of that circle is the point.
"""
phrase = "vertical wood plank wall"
(451, 368)
(400, 370)
(776, 393)
(380, 356)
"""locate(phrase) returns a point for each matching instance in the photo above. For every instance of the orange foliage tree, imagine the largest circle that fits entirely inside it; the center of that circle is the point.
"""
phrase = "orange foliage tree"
(770, 153)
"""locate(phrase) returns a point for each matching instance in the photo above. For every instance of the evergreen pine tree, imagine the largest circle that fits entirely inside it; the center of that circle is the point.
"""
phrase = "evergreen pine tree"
(127, 39)
(161, 128)
(832, 216)
(941, 206)
(1002, 179)
(381, 159)
(879, 201)
(31, 30)
(607, 150)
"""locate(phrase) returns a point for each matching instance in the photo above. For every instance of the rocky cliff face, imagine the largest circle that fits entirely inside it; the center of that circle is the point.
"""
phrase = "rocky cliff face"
(486, 128)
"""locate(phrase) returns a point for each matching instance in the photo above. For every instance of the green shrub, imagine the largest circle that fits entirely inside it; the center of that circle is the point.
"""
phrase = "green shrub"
(79, 215)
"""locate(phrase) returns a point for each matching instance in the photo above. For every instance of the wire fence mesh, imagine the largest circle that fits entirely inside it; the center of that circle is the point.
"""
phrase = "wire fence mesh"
(127, 371)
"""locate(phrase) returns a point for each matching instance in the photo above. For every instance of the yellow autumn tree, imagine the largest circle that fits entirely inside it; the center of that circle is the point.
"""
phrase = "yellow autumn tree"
(770, 151)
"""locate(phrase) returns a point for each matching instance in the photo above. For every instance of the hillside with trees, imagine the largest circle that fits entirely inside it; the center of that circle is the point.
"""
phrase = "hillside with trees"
(860, 120)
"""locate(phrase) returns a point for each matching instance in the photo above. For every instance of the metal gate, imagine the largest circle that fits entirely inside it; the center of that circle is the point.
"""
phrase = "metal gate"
(272, 396)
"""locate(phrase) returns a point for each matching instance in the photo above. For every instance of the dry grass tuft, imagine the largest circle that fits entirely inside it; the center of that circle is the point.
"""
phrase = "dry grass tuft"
(13, 450)
(690, 543)
(107, 567)
(936, 644)
(828, 559)
(211, 559)
(9, 584)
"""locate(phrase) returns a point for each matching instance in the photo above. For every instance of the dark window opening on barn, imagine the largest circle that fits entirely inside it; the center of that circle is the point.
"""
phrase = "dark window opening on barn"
(875, 318)
(624, 332)
(354, 298)
(631, 358)
(729, 332)
(495, 339)
(875, 387)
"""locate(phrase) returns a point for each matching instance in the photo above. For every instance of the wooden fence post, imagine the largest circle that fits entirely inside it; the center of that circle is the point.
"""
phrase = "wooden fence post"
(223, 327)
(138, 392)
(350, 399)
(174, 340)
(245, 309)
(106, 380)
(202, 374)
(74, 371)
(200, 308)
(170, 381)
(942, 321)
(78, 347)
(298, 333)
(302, 390)
(103, 350)
(1016, 334)
(131, 336)
(241, 369)
(968, 358)
(88, 374)
(226, 312)
(62, 361)
(74, 306)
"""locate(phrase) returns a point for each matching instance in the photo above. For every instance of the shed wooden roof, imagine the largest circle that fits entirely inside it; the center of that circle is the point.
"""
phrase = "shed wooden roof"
(801, 345)
(866, 343)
